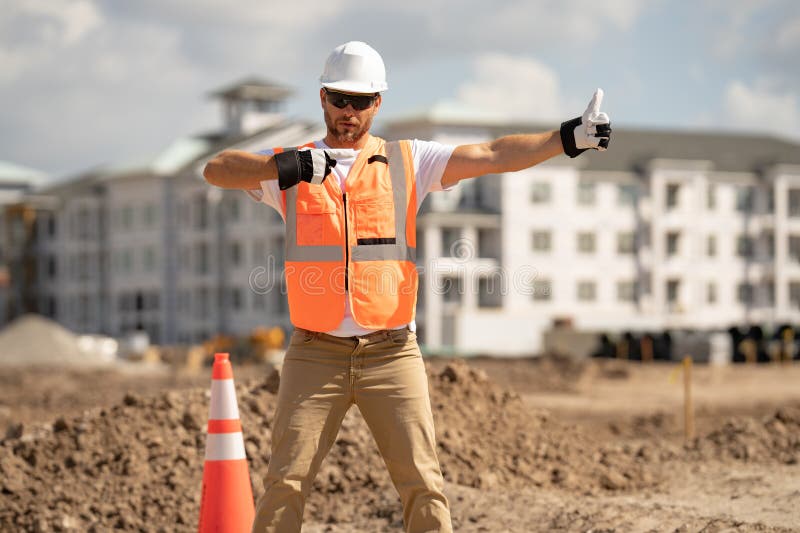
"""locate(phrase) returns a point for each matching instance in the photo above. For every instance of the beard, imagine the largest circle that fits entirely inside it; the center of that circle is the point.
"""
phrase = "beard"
(345, 135)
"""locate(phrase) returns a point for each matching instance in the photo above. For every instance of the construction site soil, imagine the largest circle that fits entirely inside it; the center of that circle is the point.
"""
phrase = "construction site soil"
(527, 445)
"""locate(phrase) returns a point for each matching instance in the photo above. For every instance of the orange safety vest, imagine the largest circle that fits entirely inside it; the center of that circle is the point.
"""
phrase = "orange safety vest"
(361, 244)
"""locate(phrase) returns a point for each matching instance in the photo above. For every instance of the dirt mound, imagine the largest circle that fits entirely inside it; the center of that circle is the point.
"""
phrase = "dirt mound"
(772, 439)
(34, 340)
(138, 464)
(547, 373)
(559, 373)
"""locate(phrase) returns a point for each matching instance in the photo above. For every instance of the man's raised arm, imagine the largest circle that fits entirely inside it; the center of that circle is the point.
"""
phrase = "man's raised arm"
(235, 169)
(592, 130)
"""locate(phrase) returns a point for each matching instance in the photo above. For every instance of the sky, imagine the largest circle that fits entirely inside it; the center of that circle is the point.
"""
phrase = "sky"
(91, 82)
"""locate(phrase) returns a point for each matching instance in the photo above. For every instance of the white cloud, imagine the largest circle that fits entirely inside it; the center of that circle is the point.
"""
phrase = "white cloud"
(765, 28)
(519, 88)
(731, 20)
(788, 35)
(36, 30)
(759, 108)
(515, 23)
(67, 21)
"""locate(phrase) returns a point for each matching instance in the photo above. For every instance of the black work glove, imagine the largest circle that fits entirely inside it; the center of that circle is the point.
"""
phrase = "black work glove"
(311, 166)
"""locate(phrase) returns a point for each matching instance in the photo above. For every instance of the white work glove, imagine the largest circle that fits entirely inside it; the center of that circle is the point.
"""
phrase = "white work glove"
(592, 130)
(310, 165)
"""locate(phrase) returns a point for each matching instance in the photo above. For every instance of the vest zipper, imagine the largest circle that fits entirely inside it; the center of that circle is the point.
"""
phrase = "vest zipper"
(346, 242)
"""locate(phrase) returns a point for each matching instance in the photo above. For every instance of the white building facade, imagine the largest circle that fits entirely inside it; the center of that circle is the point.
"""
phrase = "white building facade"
(664, 231)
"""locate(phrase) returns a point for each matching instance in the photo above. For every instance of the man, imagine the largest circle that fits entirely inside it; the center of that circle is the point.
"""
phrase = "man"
(350, 202)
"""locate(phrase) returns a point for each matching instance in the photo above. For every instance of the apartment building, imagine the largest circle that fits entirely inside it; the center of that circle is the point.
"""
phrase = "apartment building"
(151, 247)
(667, 230)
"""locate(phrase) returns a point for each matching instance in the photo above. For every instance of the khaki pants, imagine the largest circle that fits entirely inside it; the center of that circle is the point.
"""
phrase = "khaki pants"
(384, 375)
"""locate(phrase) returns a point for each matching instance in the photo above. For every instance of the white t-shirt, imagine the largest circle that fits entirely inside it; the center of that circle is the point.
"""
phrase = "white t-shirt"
(430, 160)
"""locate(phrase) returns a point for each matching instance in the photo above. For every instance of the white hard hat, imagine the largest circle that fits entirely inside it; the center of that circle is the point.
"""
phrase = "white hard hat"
(354, 67)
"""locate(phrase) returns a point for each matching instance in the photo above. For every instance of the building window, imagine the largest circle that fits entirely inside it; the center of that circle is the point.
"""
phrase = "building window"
(673, 243)
(794, 202)
(794, 248)
(150, 215)
(184, 301)
(769, 243)
(126, 218)
(711, 292)
(542, 290)
(450, 238)
(259, 301)
(768, 290)
(201, 260)
(586, 243)
(234, 209)
(260, 252)
(770, 200)
(711, 197)
(149, 259)
(540, 192)
(744, 293)
(185, 258)
(541, 241)
(52, 307)
(52, 267)
(673, 192)
(587, 291)
(203, 304)
(626, 291)
(745, 196)
(200, 211)
(489, 243)
(673, 291)
(626, 194)
(586, 193)
(235, 254)
(152, 300)
(489, 293)
(744, 246)
(452, 289)
(711, 246)
(185, 214)
(83, 224)
(794, 294)
(237, 301)
(126, 261)
(626, 242)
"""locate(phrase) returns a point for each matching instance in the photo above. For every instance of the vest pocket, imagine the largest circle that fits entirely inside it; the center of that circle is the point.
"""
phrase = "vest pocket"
(314, 218)
(374, 220)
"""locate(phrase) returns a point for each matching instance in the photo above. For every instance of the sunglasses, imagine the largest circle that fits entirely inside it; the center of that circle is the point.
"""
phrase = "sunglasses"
(360, 102)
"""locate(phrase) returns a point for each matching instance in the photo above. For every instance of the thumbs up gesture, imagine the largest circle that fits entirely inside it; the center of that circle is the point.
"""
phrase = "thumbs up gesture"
(592, 130)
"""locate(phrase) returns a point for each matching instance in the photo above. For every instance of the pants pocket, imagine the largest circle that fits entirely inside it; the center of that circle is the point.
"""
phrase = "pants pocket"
(402, 336)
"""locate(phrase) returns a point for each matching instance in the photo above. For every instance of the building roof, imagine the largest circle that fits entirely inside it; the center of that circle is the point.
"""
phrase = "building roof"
(631, 149)
(253, 89)
(12, 174)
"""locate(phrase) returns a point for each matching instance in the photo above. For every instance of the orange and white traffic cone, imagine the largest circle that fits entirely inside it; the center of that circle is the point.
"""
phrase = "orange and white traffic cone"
(226, 504)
